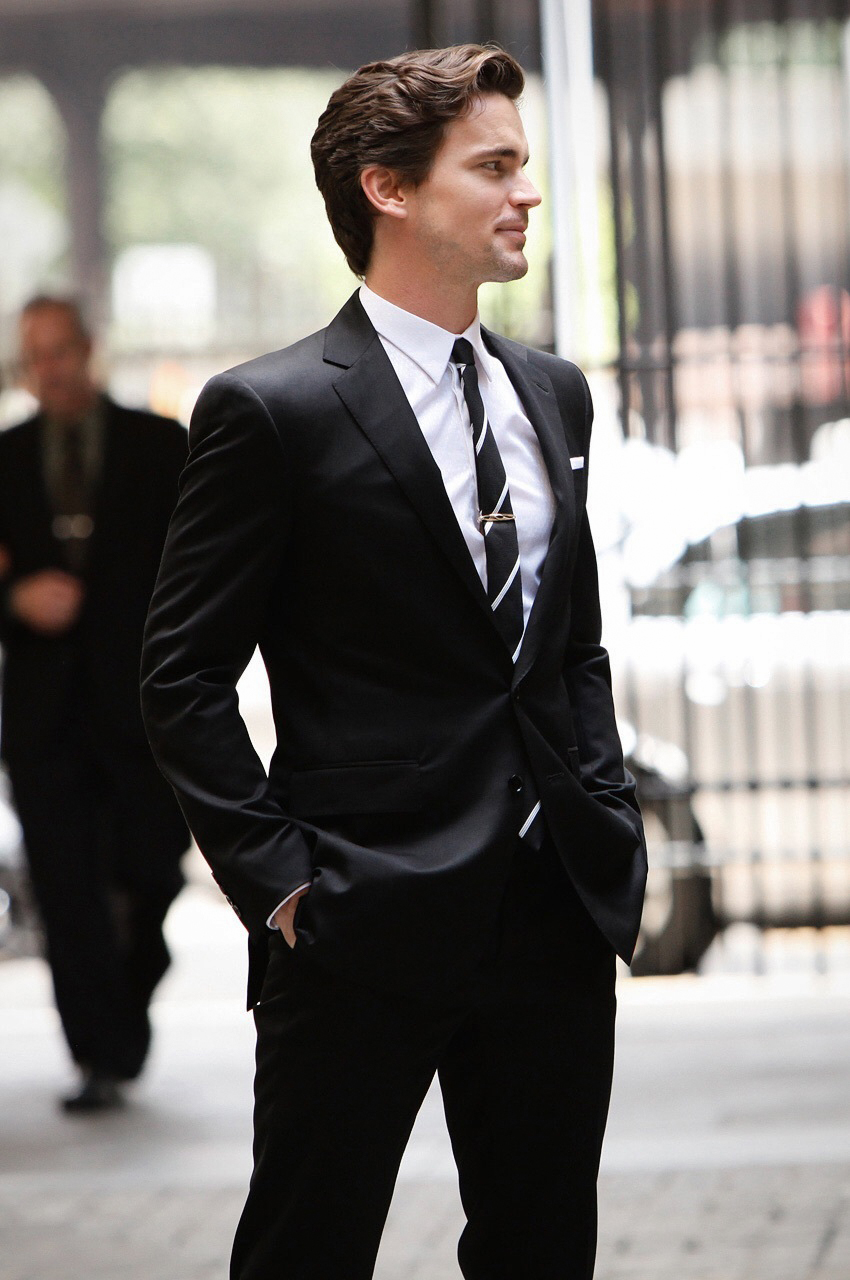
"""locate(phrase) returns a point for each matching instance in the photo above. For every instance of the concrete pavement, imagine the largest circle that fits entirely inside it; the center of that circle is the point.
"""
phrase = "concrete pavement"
(728, 1152)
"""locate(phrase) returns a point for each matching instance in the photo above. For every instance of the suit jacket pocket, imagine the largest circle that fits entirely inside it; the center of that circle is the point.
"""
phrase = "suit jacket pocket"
(381, 786)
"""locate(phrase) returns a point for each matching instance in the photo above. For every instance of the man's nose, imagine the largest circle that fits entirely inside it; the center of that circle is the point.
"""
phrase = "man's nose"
(525, 193)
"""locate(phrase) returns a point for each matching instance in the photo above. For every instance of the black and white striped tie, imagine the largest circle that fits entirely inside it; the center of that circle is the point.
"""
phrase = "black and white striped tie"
(498, 526)
(495, 515)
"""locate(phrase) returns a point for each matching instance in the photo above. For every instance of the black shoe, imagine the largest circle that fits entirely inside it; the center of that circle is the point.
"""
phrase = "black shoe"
(97, 1093)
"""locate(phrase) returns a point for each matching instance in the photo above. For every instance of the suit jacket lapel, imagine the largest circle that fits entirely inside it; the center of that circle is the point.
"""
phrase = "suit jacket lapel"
(32, 498)
(110, 484)
(538, 399)
(35, 499)
(372, 393)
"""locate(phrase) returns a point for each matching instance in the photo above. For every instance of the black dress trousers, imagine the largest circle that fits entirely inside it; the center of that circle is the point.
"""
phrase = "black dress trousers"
(103, 887)
(525, 1060)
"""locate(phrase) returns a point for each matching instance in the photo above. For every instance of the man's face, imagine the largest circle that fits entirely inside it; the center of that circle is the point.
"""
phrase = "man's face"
(55, 362)
(468, 218)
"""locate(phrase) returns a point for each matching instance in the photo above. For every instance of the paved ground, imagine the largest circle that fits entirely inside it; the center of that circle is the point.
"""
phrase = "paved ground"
(728, 1156)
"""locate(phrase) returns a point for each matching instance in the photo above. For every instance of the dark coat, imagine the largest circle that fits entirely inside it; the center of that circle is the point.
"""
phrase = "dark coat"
(143, 455)
(313, 520)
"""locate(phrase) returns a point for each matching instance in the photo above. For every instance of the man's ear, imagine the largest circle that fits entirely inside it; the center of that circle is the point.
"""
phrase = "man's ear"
(384, 191)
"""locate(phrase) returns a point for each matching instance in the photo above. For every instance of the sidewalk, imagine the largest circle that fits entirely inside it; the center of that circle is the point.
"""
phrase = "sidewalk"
(728, 1151)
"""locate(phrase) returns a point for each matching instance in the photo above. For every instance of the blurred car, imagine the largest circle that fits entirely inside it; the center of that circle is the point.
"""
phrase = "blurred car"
(739, 653)
(679, 921)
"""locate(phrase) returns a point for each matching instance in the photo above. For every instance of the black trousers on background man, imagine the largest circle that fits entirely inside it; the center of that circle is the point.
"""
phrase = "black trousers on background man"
(525, 1061)
(104, 876)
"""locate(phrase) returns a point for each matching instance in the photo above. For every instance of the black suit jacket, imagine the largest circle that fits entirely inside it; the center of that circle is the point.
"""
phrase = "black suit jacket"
(143, 455)
(313, 521)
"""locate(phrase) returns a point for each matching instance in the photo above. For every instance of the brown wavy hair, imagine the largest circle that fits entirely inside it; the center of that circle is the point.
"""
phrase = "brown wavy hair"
(394, 114)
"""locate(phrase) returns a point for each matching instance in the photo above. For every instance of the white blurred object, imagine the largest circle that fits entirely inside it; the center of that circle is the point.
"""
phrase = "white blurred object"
(39, 235)
(10, 832)
(165, 294)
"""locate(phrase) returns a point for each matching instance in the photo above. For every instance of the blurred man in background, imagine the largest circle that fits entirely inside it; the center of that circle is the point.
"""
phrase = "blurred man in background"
(86, 492)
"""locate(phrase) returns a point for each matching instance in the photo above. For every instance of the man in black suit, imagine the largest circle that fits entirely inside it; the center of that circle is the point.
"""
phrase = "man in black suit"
(446, 853)
(86, 492)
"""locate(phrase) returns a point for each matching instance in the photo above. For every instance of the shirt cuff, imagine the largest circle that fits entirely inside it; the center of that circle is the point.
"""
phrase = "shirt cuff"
(270, 922)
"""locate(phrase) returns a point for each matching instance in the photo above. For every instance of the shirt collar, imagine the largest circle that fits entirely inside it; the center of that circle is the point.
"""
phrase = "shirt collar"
(426, 344)
(91, 423)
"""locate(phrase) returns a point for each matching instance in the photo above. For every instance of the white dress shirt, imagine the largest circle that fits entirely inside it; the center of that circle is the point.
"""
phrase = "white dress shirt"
(420, 355)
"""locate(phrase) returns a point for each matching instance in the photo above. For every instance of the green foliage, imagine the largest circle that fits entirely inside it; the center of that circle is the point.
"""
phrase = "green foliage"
(221, 158)
(814, 42)
(32, 139)
(217, 157)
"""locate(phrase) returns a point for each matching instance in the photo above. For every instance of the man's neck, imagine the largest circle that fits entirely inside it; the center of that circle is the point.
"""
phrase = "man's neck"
(71, 415)
(452, 309)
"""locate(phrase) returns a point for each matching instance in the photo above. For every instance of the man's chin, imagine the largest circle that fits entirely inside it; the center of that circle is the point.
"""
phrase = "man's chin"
(509, 267)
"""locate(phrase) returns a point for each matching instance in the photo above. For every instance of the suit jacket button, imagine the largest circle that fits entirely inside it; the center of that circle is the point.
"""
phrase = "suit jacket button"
(515, 783)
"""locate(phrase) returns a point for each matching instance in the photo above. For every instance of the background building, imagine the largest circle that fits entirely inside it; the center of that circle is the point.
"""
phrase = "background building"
(718, 159)
(153, 157)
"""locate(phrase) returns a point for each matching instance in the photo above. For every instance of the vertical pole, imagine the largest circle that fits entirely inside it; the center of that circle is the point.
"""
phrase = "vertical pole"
(81, 108)
(659, 37)
(568, 74)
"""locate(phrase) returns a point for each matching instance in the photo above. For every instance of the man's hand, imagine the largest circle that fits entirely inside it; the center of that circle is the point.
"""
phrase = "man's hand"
(286, 914)
(48, 602)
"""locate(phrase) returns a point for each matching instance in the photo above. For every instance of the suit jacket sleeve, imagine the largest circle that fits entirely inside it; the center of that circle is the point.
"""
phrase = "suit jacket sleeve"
(219, 568)
(587, 675)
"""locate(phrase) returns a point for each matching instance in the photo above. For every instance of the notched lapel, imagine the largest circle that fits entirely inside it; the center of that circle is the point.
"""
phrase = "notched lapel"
(539, 401)
(538, 398)
(373, 395)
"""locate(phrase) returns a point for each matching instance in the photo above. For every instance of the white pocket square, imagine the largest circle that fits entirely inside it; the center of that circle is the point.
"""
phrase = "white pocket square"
(577, 463)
